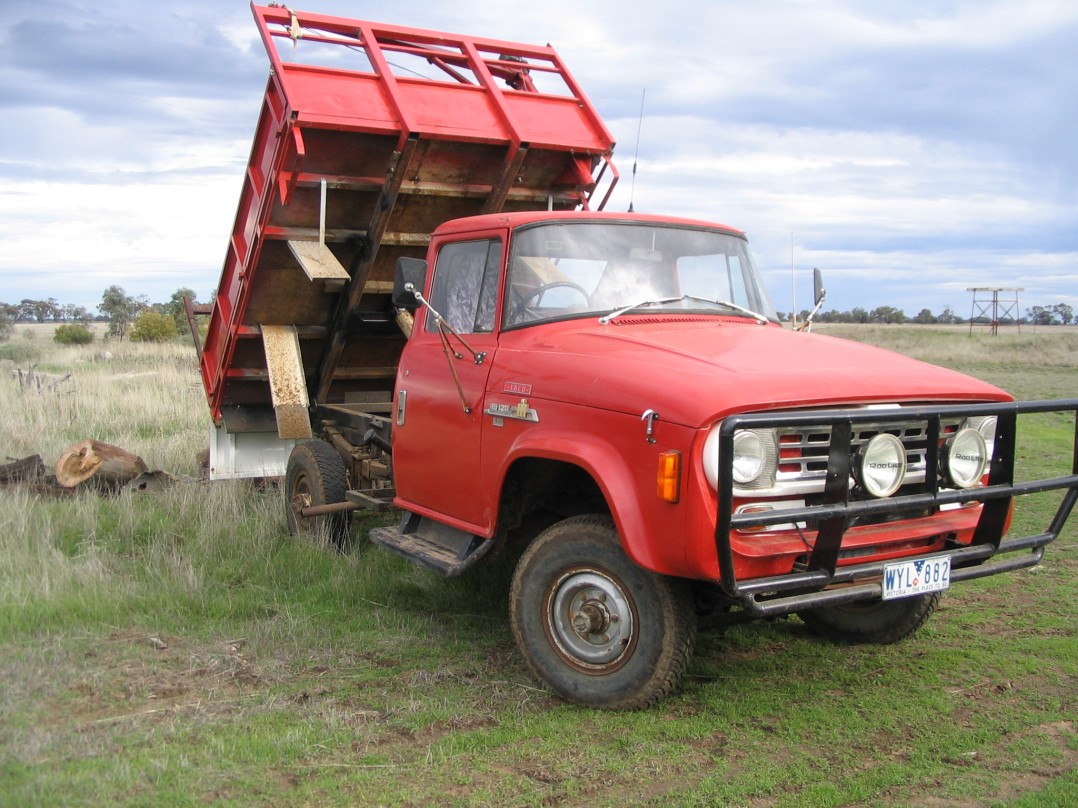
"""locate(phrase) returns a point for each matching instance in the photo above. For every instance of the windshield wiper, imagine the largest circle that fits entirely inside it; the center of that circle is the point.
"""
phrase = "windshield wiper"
(606, 318)
(727, 304)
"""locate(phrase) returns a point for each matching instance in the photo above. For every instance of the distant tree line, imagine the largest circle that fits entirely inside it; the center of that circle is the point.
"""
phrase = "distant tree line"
(135, 317)
(131, 316)
(1059, 314)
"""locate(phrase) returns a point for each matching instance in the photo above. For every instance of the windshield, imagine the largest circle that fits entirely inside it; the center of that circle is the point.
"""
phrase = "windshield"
(574, 269)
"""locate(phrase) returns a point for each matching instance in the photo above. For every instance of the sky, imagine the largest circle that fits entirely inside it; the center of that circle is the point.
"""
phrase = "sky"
(910, 150)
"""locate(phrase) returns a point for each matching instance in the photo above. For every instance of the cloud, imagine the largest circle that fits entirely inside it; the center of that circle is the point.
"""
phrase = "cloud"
(907, 149)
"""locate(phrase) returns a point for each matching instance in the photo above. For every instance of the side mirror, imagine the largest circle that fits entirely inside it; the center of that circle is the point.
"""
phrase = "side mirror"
(411, 272)
(819, 293)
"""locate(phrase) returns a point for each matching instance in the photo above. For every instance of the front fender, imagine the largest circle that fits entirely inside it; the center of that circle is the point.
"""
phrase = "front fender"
(651, 530)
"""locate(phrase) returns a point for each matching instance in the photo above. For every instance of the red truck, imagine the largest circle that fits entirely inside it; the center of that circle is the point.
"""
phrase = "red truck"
(424, 308)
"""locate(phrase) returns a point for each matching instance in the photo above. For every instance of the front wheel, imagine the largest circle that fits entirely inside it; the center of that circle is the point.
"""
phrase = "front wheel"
(598, 629)
(875, 621)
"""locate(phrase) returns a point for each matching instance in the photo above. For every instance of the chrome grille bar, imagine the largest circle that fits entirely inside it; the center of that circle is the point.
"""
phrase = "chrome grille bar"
(803, 451)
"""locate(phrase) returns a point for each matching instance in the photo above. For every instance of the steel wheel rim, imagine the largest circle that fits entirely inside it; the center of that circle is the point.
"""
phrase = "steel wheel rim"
(591, 620)
(301, 498)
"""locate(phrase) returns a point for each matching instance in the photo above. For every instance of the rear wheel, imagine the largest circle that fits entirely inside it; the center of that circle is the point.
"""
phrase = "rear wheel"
(316, 476)
(877, 621)
(598, 629)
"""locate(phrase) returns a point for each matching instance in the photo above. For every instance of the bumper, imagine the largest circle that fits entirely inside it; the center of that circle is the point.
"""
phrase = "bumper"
(823, 582)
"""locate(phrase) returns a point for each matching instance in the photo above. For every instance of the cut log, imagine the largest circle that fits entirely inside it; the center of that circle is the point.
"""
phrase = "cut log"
(29, 469)
(106, 464)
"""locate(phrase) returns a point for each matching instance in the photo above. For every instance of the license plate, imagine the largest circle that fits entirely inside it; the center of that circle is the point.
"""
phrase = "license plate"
(904, 579)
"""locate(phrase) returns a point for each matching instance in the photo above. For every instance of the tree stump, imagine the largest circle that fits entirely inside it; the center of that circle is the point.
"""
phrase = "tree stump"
(104, 463)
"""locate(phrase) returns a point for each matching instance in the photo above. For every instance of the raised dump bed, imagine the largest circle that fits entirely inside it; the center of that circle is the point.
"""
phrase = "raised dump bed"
(370, 136)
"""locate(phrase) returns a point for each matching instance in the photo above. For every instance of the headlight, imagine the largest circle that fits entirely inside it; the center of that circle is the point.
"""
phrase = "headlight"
(882, 465)
(749, 457)
(754, 458)
(967, 457)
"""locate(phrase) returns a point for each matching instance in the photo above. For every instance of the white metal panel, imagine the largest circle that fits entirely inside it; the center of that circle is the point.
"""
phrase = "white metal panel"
(243, 455)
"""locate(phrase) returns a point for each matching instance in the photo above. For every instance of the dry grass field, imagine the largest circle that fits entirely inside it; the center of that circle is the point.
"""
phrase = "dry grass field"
(179, 648)
(146, 397)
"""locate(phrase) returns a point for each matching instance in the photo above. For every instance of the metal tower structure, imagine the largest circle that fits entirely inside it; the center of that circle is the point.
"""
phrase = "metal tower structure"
(994, 303)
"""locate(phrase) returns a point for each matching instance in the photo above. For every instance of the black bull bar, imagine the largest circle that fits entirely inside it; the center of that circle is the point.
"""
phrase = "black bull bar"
(823, 582)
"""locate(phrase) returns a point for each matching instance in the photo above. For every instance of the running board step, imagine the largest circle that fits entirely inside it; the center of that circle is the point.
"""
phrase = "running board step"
(442, 548)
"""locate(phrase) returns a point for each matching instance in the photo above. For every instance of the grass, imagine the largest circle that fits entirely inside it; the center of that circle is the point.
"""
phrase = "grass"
(180, 648)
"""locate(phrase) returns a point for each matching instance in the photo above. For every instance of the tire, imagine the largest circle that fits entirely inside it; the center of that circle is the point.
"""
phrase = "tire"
(878, 621)
(596, 628)
(316, 476)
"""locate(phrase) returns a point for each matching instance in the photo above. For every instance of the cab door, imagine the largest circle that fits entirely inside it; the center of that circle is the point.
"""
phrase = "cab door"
(441, 385)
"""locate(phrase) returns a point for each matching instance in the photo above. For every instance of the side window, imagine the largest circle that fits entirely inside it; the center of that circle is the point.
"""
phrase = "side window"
(465, 289)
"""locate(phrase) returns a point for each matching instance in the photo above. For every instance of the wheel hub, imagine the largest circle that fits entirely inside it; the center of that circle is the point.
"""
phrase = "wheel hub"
(593, 618)
(590, 619)
(301, 498)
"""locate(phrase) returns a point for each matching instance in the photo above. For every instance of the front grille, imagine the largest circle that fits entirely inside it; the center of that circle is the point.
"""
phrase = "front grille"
(803, 453)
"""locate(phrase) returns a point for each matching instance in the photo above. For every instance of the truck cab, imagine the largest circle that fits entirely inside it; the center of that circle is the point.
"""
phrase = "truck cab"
(511, 350)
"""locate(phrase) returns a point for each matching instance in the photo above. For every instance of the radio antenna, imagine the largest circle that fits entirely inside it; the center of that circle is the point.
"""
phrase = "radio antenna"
(636, 154)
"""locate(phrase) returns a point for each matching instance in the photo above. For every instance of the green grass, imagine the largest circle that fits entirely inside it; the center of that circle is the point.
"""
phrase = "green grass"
(180, 648)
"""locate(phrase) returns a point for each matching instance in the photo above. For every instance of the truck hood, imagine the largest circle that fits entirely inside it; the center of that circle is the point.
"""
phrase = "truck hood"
(694, 370)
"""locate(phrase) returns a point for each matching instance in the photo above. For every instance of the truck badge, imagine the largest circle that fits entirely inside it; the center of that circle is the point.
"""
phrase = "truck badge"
(518, 412)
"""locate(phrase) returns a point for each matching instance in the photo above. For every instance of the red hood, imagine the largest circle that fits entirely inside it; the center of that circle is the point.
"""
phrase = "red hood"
(696, 370)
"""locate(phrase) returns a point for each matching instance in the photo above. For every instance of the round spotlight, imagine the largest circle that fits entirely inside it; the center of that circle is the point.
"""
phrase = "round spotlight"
(987, 427)
(967, 458)
(883, 465)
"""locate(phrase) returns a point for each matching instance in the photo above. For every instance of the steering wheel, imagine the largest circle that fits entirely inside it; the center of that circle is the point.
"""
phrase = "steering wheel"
(524, 307)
